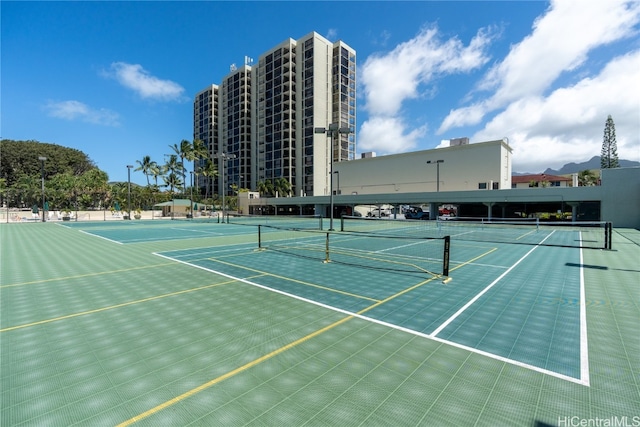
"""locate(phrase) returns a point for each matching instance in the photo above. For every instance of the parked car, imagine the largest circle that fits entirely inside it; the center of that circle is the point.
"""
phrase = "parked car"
(415, 212)
(447, 217)
(378, 213)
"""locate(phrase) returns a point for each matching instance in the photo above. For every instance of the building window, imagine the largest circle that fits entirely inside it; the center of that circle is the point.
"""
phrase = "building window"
(482, 186)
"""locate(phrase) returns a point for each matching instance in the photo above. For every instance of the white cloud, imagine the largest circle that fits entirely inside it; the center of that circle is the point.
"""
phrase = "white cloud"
(413, 64)
(76, 110)
(568, 125)
(332, 34)
(136, 78)
(388, 135)
(560, 42)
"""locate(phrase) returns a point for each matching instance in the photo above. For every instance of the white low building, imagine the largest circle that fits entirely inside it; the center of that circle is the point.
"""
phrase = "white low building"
(479, 166)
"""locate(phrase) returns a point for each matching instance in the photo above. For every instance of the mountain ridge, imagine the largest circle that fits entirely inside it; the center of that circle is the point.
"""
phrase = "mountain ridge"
(593, 163)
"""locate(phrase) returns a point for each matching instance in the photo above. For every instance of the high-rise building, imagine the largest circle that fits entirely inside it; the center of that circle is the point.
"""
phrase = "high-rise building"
(205, 128)
(268, 112)
(274, 124)
(326, 96)
(234, 136)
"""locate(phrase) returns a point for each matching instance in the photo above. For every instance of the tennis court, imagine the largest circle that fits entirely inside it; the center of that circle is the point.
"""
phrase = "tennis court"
(206, 323)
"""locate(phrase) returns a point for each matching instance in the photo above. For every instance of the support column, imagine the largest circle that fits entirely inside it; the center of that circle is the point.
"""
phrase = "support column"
(574, 210)
(490, 206)
(433, 210)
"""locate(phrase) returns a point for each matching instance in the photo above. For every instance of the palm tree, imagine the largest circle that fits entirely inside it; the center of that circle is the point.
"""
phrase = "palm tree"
(119, 192)
(266, 188)
(156, 171)
(146, 166)
(185, 151)
(282, 186)
(200, 149)
(172, 180)
(209, 171)
(29, 189)
(171, 176)
(173, 165)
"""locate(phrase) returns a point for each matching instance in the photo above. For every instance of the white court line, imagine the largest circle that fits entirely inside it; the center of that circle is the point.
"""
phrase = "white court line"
(100, 237)
(485, 290)
(584, 345)
(432, 336)
(584, 362)
(212, 251)
(196, 231)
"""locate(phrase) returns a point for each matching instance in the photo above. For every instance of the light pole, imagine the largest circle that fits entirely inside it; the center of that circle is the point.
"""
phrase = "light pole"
(129, 167)
(224, 157)
(437, 162)
(42, 159)
(191, 193)
(334, 130)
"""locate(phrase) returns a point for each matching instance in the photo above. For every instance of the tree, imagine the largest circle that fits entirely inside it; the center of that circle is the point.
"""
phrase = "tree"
(147, 166)
(209, 170)
(119, 195)
(185, 151)
(282, 187)
(609, 154)
(156, 171)
(200, 150)
(587, 178)
(29, 189)
(172, 180)
(266, 188)
(21, 158)
(94, 184)
(173, 166)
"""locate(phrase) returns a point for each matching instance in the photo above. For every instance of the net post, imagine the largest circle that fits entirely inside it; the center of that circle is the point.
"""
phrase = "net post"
(445, 255)
(608, 231)
(326, 251)
(342, 223)
(259, 237)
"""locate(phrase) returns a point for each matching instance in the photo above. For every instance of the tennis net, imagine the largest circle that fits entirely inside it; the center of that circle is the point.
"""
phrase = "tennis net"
(405, 254)
(582, 234)
(309, 222)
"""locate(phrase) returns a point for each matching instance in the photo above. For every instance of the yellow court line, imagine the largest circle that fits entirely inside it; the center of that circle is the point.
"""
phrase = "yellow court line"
(261, 359)
(86, 275)
(69, 316)
(526, 234)
(231, 373)
(473, 259)
(387, 260)
(278, 351)
(294, 280)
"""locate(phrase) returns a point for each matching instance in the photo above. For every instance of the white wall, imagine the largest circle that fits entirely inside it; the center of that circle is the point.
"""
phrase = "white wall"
(621, 197)
(464, 167)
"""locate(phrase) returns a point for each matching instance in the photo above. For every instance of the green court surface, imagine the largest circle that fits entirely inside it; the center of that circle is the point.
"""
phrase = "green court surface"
(191, 323)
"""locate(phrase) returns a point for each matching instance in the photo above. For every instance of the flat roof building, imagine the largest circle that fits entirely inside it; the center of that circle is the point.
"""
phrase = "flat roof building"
(205, 128)
(264, 115)
(479, 166)
(234, 135)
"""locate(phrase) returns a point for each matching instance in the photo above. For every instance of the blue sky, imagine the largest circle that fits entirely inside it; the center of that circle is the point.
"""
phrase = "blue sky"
(116, 79)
